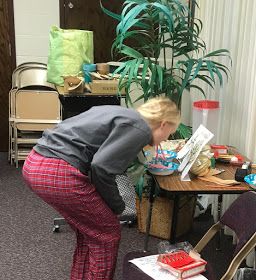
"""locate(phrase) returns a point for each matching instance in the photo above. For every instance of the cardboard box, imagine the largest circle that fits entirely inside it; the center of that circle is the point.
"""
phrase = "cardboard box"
(104, 87)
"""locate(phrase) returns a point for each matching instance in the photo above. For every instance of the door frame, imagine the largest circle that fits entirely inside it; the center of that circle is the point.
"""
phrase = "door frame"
(12, 33)
(9, 49)
(62, 13)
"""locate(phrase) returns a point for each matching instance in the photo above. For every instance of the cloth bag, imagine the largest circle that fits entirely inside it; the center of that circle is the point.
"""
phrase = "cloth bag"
(68, 50)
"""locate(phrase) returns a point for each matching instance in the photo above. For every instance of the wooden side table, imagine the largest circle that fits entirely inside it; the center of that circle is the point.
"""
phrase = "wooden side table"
(174, 187)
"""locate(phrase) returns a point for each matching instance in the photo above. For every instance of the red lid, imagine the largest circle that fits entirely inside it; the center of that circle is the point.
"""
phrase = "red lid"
(206, 104)
(214, 146)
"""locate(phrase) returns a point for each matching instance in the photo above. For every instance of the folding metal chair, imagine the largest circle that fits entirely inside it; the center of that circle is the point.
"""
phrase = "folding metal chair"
(28, 81)
(35, 111)
(240, 217)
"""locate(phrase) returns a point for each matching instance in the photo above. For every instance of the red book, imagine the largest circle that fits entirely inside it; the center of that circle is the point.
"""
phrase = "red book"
(181, 264)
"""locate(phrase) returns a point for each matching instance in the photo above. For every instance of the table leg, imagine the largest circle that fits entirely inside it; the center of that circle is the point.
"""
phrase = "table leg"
(174, 216)
(218, 237)
(149, 214)
(148, 224)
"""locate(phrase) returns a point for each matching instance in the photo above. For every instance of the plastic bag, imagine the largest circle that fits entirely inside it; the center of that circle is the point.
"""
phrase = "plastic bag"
(245, 274)
(164, 247)
(68, 50)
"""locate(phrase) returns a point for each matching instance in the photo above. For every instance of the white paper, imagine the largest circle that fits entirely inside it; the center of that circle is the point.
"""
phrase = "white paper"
(186, 178)
(189, 153)
(149, 266)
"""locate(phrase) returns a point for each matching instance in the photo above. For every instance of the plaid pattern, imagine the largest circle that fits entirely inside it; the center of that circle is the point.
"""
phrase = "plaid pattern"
(97, 228)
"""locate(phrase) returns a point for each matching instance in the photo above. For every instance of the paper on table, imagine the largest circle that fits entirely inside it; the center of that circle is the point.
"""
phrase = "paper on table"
(149, 266)
(191, 150)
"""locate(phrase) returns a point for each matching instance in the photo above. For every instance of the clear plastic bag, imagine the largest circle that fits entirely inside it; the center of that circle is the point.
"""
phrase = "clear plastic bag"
(165, 247)
(245, 274)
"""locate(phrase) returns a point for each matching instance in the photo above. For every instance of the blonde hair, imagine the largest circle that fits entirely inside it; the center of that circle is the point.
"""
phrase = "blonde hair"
(159, 109)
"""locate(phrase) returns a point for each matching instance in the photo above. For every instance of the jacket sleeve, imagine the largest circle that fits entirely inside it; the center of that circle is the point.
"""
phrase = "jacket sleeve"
(113, 157)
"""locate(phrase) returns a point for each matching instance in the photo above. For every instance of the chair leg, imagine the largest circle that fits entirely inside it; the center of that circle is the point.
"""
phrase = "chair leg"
(10, 151)
(15, 144)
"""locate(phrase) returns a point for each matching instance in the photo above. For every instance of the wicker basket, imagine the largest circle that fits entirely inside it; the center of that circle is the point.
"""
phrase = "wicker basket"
(162, 215)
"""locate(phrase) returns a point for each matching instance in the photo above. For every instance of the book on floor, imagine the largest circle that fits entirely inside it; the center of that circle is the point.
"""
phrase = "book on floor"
(181, 264)
(149, 266)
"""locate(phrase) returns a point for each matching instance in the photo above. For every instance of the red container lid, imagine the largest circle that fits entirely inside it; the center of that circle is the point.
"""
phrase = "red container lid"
(206, 104)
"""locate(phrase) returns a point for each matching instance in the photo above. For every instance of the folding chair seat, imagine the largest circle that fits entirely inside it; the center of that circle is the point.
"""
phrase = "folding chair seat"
(240, 217)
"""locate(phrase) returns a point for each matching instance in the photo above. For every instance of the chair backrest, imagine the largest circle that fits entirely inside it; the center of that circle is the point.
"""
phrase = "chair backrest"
(37, 110)
(32, 64)
(33, 77)
(241, 217)
(15, 74)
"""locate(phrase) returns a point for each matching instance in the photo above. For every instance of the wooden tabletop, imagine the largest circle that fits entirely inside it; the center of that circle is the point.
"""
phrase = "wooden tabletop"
(172, 183)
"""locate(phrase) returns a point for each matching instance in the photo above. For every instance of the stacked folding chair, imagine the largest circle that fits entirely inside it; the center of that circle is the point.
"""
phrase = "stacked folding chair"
(33, 107)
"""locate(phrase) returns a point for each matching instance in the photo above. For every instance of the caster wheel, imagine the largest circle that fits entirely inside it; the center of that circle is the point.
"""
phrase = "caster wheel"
(56, 228)
(129, 223)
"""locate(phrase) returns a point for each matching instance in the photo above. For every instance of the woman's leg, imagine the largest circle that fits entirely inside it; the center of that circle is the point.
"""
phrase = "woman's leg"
(75, 198)
(92, 260)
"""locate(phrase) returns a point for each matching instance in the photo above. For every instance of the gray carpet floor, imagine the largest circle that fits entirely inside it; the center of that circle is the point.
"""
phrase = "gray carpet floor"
(29, 250)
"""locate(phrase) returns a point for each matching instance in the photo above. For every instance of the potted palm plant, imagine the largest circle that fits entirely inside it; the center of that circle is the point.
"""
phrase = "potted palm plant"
(159, 44)
(162, 53)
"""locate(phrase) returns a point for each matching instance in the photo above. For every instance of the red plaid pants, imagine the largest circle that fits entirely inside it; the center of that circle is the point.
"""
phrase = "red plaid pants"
(97, 228)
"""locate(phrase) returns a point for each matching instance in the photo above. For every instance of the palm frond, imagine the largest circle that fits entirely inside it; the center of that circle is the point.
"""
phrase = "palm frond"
(149, 28)
(182, 132)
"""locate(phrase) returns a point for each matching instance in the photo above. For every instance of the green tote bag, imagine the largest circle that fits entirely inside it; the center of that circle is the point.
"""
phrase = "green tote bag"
(68, 50)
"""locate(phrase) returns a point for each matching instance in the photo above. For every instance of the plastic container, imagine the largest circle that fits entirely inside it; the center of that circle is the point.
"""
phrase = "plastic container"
(245, 274)
(206, 112)
(87, 68)
(251, 180)
(165, 170)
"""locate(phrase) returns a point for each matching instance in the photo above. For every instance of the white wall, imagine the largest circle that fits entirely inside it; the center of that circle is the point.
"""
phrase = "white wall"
(33, 19)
